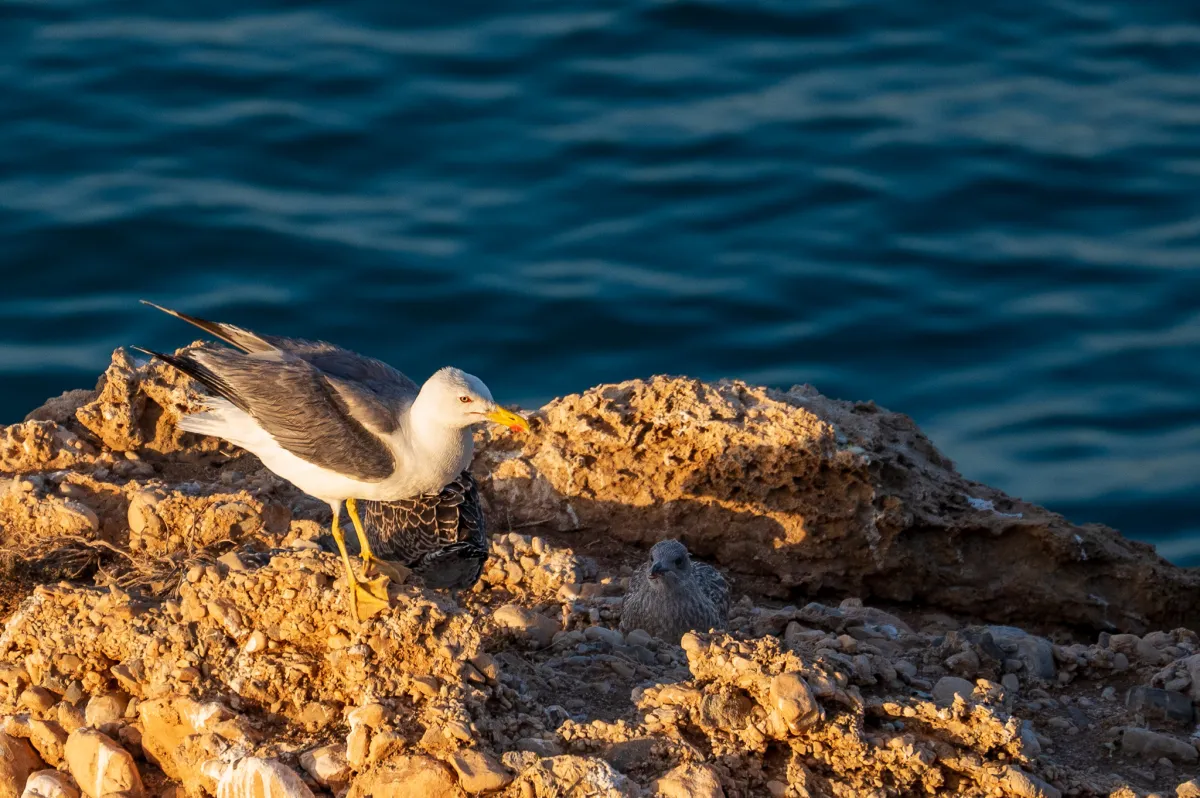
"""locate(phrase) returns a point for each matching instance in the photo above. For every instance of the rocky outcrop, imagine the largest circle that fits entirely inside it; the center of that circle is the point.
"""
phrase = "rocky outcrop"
(175, 627)
(824, 496)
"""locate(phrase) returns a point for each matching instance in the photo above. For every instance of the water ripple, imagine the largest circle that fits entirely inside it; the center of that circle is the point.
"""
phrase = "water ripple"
(986, 218)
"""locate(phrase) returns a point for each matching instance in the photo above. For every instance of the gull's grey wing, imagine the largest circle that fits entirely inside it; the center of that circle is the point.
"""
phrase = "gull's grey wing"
(305, 412)
(441, 536)
(636, 612)
(714, 586)
(379, 391)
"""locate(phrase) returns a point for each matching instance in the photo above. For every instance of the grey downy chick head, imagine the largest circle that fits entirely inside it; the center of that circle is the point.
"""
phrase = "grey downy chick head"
(669, 560)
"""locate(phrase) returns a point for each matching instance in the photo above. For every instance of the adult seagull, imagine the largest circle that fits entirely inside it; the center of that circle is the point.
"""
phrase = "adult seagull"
(337, 425)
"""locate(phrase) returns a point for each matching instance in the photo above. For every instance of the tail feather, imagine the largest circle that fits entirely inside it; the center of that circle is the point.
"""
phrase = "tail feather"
(231, 334)
(210, 422)
(195, 369)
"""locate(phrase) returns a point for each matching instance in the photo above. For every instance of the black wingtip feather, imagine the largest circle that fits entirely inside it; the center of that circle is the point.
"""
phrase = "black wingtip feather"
(214, 328)
(199, 372)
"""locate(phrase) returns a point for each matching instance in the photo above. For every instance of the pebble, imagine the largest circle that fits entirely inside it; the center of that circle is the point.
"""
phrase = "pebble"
(100, 766)
(48, 739)
(37, 700)
(544, 748)
(1152, 745)
(948, 687)
(17, 761)
(1189, 789)
(1153, 703)
(1025, 785)
(791, 697)
(70, 717)
(253, 777)
(638, 637)
(1029, 739)
(1148, 652)
(318, 715)
(622, 668)
(50, 784)
(103, 711)
(479, 772)
(372, 715)
(416, 776)
(965, 663)
(188, 674)
(690, 781)
(533, 626)
(455, 730)
(256, 642)
(603, 633)
(1035, 653)
(1011, 683)
(328, 766)
(513, 573)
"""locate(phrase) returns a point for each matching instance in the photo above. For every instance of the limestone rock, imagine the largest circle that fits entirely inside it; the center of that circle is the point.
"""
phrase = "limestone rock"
(49, 739)
(1189, 789)
(17, 761)
(1023, 785)
(1192, 666)
(103, 711)
(819, 493)
(1155, 704)
(254, 777)
(37, 700)
(594, 778)
(1154, 745)
(527, 623)
(1035, 653)
(100, 766)
(479, 772)
(406, 777)
(50, 784)
(328, 766)
(690, 781)
(948, 687)
(794, 702)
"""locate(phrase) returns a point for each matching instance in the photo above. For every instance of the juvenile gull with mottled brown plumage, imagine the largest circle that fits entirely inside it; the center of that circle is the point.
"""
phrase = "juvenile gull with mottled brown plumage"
(337, 425)
(441, 536)
(671, 595)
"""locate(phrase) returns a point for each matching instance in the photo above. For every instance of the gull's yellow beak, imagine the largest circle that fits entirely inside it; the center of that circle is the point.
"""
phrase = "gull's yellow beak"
(508, 419)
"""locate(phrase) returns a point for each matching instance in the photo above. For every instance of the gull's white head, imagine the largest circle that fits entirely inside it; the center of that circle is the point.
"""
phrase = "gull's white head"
(457, 399)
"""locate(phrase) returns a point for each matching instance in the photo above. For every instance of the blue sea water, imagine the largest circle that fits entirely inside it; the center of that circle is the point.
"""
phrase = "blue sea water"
(987, 217)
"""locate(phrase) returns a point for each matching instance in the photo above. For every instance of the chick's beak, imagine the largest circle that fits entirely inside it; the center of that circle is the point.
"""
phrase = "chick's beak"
(656, 570)
(508, 419)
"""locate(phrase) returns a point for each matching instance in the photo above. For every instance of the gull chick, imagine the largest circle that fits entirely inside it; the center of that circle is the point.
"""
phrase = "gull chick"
(339, 426)
(671, 595)
(441, 536)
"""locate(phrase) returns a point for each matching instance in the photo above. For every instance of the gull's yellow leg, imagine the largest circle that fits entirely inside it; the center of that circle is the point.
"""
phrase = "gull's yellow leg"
(363, 602)
(376, 586)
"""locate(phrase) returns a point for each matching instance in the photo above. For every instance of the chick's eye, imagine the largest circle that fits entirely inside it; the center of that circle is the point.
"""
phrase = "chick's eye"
(679, 561)
(466, 400)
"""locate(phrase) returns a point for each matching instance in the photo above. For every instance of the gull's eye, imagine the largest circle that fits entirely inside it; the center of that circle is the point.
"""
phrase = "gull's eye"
(679, 562)
(466, 400)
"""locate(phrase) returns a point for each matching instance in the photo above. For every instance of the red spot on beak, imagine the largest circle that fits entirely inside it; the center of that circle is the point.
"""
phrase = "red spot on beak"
(514, 428)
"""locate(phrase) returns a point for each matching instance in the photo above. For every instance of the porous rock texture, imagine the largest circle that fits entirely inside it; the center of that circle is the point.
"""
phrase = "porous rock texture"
(172, 628)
